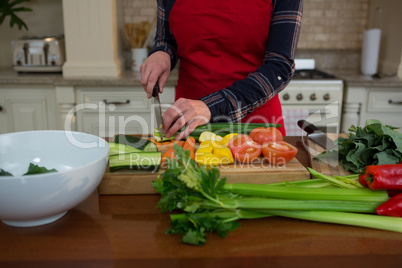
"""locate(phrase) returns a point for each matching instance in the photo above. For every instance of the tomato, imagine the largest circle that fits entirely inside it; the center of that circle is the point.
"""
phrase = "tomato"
(262, 135)
(279, 152)
(244, 149)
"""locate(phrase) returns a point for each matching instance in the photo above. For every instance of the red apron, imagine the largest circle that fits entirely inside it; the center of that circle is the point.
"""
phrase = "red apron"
(220, 42)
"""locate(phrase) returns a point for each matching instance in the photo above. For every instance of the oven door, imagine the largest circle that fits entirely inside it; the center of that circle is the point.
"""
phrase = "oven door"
(325, 117)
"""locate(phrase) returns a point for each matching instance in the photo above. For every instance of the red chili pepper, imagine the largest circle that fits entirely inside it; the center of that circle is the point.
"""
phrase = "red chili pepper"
(392, 207)
(384, 177)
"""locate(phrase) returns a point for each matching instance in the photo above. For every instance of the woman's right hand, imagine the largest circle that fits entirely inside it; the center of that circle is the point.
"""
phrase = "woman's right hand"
(156, 66)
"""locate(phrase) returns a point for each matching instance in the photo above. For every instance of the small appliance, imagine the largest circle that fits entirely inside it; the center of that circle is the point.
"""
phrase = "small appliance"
(38, 54)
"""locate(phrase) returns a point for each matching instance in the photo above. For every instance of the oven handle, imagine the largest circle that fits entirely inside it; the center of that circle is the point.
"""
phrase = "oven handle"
(395, 102)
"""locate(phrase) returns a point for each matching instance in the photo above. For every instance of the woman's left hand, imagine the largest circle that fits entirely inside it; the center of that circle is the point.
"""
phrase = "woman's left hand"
(185, 112)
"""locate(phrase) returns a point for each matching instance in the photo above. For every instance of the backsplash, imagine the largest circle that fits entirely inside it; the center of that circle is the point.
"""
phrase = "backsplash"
(327, 26)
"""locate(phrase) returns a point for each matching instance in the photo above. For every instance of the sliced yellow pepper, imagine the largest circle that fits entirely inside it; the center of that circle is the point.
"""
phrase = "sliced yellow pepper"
(227, 138)
(213, 153)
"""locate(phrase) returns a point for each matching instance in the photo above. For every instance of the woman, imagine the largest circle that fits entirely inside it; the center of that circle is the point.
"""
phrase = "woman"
(235, 57)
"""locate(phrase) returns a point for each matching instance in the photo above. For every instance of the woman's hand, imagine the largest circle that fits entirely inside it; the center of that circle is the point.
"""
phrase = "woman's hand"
(185, 112)
(156, 66)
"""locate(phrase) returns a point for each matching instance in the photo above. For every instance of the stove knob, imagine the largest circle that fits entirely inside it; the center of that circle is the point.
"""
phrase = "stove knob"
(299, 96)
(313, 97)
(286, 96)
(327, 96)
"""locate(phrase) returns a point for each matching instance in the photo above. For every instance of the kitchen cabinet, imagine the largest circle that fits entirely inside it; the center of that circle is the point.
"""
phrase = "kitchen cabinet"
(24, 108)
(107, 111)
(363, 103)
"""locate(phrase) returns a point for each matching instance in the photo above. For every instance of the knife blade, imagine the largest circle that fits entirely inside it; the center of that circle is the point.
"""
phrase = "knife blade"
(316, 135)
(158, 110)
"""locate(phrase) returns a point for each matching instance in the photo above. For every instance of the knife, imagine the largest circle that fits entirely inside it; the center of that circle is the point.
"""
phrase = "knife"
(158, 110)
(316, 135)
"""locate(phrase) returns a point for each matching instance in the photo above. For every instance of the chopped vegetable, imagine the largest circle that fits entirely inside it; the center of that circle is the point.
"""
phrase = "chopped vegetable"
(32, 170)
(211, 204)
(5, 173)
(384, 177)
(170, 153)
(227, 138)
(143, 144)
(278, 152)
(374, 144)
(220, 129)
(135, 161)
(213, 153)
(189, 145)
(35, 169)
(392, 207)
(119, 148)
(262, 135)
(244, 149)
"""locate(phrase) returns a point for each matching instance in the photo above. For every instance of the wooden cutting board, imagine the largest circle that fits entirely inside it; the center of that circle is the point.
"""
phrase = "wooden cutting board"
(327, 166)
(259, 172)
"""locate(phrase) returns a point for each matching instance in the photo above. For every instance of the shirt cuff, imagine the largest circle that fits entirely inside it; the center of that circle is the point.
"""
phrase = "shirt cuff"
(216, 103)
(166, 48)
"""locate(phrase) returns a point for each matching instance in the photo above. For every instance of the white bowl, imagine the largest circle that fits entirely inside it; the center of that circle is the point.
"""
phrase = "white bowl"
(31, 200)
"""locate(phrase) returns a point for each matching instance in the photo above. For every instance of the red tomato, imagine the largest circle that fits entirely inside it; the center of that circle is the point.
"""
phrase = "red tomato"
(262, 135)
(279, 152)
(244, 149)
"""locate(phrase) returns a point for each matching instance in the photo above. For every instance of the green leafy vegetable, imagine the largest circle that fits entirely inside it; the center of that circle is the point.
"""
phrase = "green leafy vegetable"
(209, 204)
(374, 144)
(5, 173)
(35, 169)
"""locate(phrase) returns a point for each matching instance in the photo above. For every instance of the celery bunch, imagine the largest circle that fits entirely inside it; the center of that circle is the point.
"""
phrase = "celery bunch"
(209, 204)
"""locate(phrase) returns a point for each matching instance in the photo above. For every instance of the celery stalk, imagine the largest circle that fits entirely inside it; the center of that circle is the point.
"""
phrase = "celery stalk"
(363, 220)
(289, 204)
(303, 193)
(339, 181)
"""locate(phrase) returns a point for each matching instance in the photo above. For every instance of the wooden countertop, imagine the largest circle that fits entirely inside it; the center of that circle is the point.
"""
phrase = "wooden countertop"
(128, 231)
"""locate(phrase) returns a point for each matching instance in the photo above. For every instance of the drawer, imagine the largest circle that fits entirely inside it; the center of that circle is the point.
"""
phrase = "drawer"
(115, 101)
(384, 101)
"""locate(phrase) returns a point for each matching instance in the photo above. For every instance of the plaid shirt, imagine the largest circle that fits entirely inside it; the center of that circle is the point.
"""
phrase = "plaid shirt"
(269, 79)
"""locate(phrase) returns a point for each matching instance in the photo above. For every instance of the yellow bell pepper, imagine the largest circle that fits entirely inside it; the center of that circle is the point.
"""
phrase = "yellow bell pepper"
(227, 138)
(213, 153)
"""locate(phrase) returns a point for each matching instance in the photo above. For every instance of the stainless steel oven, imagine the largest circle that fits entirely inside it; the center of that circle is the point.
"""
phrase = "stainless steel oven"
(314, 96)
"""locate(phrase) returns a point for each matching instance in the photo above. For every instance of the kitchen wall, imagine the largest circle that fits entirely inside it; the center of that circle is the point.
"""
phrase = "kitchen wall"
(331, 30)
(390, 23)
(45, 19)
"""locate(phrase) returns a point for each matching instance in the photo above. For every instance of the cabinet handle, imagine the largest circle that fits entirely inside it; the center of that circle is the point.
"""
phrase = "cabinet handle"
(1, 108)
(116, 102)
(395, 102)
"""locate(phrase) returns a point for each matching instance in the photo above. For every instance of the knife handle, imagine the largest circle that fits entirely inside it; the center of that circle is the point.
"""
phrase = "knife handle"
(155, 91)
(306, 126)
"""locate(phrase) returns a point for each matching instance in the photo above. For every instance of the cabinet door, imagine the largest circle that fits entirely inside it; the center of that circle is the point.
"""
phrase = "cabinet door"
(27, 108)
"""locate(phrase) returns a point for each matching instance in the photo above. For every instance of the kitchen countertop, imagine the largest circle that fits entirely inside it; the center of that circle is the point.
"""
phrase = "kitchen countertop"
(128, 231)
(130, 78)
(358, 80)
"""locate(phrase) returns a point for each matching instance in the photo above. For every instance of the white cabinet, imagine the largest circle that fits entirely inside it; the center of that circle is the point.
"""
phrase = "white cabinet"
(107, 111)
(363, 103)
(24, 108)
